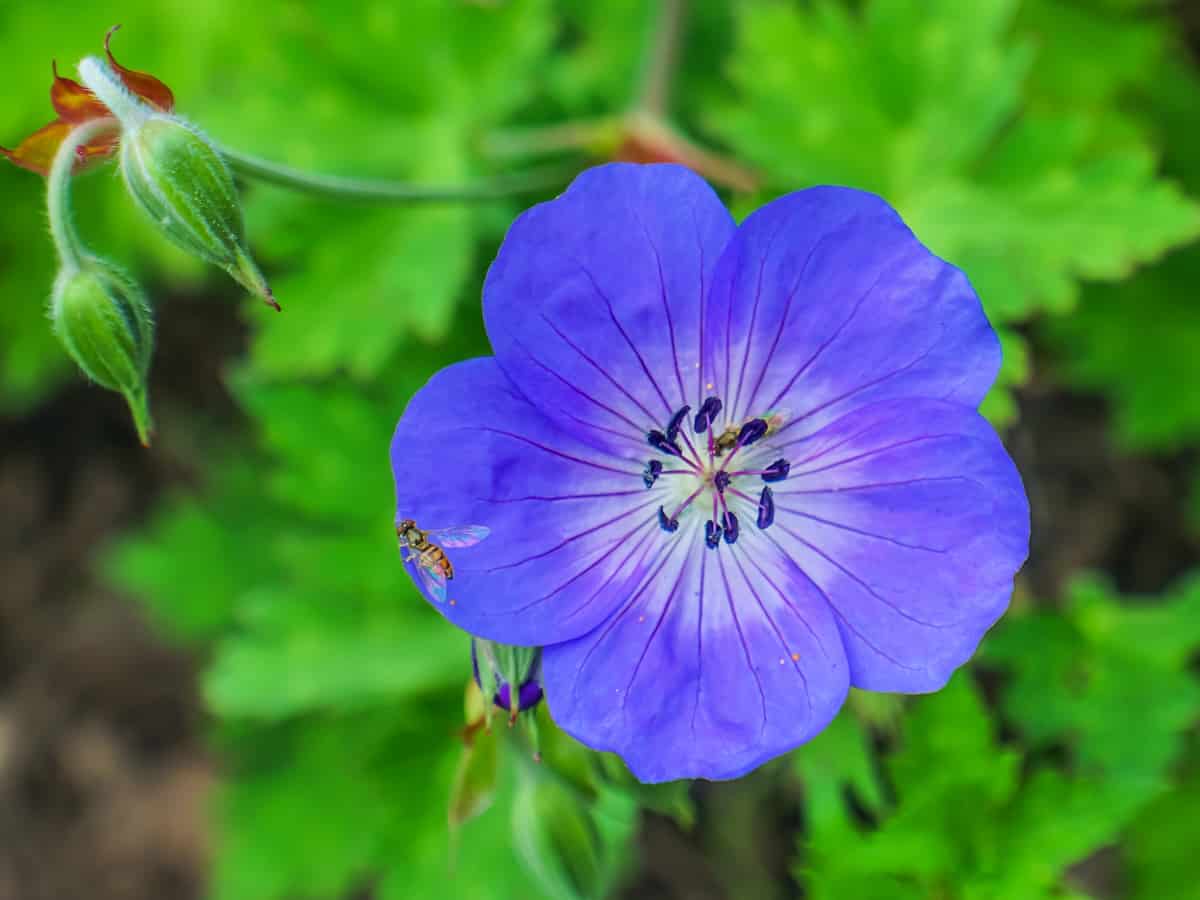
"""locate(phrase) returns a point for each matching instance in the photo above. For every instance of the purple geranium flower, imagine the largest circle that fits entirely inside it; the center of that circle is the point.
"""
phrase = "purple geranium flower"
(725, 472)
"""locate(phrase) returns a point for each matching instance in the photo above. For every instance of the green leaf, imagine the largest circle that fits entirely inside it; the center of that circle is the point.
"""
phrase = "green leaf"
(321, 658)
(170, 564)
(924, 104)
(1092, 55)
(965, 823)
(1109, 678)
(1163, 846)
(353, 301)
(836, 760)
(1136, 343)
(403, 96)
(354, 800)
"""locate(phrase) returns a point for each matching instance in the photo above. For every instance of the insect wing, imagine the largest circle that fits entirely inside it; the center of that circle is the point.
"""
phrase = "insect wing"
(433, 579)
(463, 536)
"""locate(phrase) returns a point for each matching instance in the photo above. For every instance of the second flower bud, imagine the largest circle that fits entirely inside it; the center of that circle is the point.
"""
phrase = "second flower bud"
(104, 322)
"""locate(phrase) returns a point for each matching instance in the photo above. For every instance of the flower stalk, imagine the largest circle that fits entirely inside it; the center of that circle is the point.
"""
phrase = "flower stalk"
(98, 312)
(58, 189)
(385, 190)
(661, 60)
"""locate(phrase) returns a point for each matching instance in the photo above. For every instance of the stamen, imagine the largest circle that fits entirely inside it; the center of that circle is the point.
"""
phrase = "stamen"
(674, 517)
(653, 469)
(668, 525)
(766, 508)
(676, 422)
(659, 442)
(776, 471)
(712, 534)
(708, 411)
(752, 431)
(721, 480)
(699, 465)
(729, 525)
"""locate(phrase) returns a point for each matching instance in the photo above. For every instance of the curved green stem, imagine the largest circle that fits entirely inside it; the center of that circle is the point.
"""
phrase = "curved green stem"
(58, 191)
(380, 190)
(599, 136)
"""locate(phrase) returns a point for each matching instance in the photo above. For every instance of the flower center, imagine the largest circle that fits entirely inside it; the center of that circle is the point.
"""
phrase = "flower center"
(722, 474)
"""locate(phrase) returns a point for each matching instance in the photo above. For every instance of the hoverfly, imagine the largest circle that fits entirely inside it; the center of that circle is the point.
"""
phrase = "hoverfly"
(426, 547)
(727, 439)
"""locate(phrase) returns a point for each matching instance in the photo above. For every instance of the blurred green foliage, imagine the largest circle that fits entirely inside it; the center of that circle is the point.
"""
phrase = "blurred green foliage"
(1073, 666)
(1049, 147)
(966, 821)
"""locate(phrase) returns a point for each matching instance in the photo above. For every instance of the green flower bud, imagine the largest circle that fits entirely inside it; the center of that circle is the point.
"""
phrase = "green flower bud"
(183, 184)
(104, 321)
(177, 176)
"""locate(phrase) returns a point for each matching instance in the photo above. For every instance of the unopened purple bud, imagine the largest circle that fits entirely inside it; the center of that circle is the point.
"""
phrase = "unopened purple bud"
(527, 697)
(504, 665)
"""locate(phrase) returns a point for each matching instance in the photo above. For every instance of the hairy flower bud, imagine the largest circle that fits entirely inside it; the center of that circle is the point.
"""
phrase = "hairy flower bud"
(104, 321)
(183, 184)
(178, 178)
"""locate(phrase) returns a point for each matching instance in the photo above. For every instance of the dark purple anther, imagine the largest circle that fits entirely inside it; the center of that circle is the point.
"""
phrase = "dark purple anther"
(721, 480)
(766, 508)
(729, 526)
(676, 421)
(667, 525)
(651, 473)
(658, 441)
(712, 534)
(708, 411)
(752, 431)
(777, 471)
